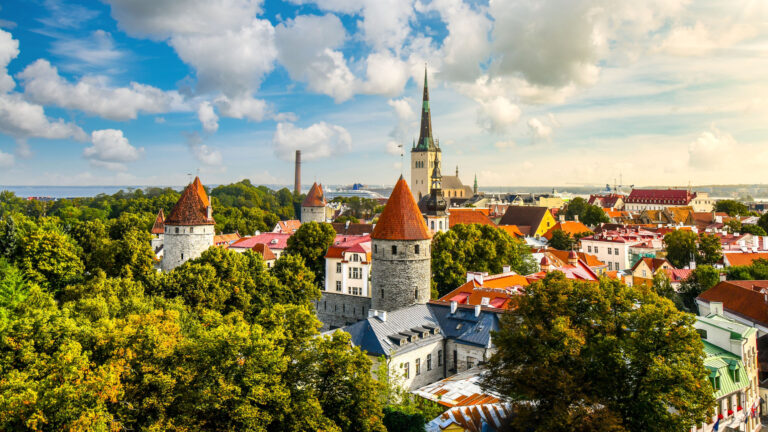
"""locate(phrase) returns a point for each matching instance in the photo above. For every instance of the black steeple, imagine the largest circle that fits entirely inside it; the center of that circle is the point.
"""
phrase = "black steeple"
(436, 204)
(425, 141)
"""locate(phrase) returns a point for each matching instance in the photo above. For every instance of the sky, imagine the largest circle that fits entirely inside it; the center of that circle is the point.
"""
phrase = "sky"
(523, 92)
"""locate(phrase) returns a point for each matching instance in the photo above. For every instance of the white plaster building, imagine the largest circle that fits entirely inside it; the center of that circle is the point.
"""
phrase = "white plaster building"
(348, 266)
(189, 229)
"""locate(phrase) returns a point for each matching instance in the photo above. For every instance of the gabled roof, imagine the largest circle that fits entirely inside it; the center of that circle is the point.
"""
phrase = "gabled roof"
(569, 227)
(677, 275)
(462, 389)
(352, 228)
(315, 197)
(653, 263)
(499, 290)
(588, 259)
(401, 218)
(524, 216)
(192, 207)
(743, 259)
(159, 226)
(660, 196)
(225, 239)
(468, 216)
(264, 251)
(742, 298)
(275, 241)
(512, 230)
(288, 226)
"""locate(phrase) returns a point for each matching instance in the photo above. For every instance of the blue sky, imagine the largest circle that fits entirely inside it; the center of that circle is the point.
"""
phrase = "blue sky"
(524, 92)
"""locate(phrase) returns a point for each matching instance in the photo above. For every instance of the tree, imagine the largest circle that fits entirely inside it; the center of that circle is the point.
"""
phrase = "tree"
(347, 218)
(701, 279)
(732, 207)
(594, 215)
(758, 270)
(576, 207)
(561, 240)
(752, 229)
(50, 258)
(681, 247)
(710, 249)
(474, 247)
(599, 356)
(311, 241)
(763, 222)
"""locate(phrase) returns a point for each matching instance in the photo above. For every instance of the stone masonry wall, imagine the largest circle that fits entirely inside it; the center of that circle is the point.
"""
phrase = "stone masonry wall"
(337, 310)
(189, 243)
(403, 279)
(309, 214)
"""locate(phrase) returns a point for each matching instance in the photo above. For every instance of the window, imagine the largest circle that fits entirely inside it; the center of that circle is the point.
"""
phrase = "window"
(177, 230)
(406, 370)
(182, 255)
(418, 366)
(416, 248)
(470, 362)
(610, 267)
(394, 250)
(382, 294)
(644, 273)
(440, 357)
(191, 230)
(355, 273)
(595, 249)
(615, 251)
(441, 225)
(429, 362)
(616, 266)
(455, 359)
(416, 294)
(589, 249)
(375, 248)
(338, 267)
(609, 251)
(338, 286)
(432, 225)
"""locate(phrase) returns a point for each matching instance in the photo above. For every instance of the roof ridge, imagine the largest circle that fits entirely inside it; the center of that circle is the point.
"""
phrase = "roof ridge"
(401, 218)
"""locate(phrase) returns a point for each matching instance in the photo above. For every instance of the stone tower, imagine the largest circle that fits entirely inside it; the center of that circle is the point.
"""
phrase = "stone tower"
(400, 269)
(313, 206)
(189, 229)
(435, 215)
(425, 152)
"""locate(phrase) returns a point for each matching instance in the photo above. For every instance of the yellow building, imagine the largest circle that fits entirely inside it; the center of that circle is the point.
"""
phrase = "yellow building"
(531, 221)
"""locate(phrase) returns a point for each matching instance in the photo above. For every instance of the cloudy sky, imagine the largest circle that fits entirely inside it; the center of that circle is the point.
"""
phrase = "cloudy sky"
(524, 92)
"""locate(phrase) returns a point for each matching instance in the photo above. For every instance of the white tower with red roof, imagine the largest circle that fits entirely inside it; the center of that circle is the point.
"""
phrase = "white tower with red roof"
(313, 206)
(189, 229)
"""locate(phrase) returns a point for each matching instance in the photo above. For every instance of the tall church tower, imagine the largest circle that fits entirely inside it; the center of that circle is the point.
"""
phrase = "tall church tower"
(400, 268)
(436, 216)
(425, 152)
(189, 228)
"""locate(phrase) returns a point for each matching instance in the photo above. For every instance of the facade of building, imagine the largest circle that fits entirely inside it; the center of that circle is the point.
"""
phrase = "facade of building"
(158, 230)
(313, 206)
(621, 247)
(189, 228)
(730, 350)
(348, 266)
(658, 199)
(645, 269)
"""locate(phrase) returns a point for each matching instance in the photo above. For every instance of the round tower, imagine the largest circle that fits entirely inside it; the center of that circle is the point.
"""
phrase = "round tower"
(189, 229)
(313, 206)
(400, 268)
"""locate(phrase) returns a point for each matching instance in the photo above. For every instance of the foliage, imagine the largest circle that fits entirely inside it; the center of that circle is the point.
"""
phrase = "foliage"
(599, 357)
(735, 226)
(311, 241)
(361, 208)
(561, 240)
(588, 214)
(701, 279)
(681, 247)
(50, 258)
(758, 270)
(763, 222)
(403, 411)
(347, 218)
(732, 207)
(474, 247)
(710, 249)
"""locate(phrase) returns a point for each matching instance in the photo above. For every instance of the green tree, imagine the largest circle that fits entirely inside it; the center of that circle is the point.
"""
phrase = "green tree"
(347, 218)
(561, 240)
(576, 207)
(474, 247)
(710, 249)
(752, 229)
(701, 279)
(681, 247)
(599, 356)
(758, 270)
(763, 222)
(594, 215)
(50, 258)
(733, 208)
(311, 241)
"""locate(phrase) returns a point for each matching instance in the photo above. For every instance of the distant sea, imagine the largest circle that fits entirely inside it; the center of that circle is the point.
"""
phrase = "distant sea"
(67, 191)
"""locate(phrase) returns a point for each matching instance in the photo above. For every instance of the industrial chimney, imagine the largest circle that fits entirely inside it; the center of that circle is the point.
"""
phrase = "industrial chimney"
(297, 174)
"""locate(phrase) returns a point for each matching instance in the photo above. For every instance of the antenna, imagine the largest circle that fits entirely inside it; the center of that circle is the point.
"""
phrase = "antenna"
(189, 177)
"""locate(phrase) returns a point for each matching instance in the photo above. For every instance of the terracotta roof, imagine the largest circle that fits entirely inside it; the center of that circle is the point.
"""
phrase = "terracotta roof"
(264, 251)
(512, 230)
(570, 227)
(275, 241)
(401, 218)
(352, 228)
(659, 196)
(159, 226)
(741, 298)
(192, 207)
(468, 216)
(605, 200)
(315, 197)
(589, 259)
(743, 259)
(677, 275)
(524, 216)
(652, 263)
(287, 226)
(500, 290)
(225, 239)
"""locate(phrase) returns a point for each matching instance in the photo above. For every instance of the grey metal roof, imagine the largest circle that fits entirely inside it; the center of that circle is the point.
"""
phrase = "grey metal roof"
(379, 337)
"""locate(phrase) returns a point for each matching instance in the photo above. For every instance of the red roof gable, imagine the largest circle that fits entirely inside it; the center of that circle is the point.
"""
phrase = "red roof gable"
(275, 241)
(740, 297)
(264, 251)
(159, 226)
(401, 218)
(660, 196)
(192, 207)
(468, 216)
(315, 197)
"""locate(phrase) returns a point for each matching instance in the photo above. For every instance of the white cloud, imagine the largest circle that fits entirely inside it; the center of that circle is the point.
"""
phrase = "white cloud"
(386, 74)
(6, 160)
(94, 95)
(203, 153)
(501, 145)
(306, 49)
(539, 130)
(66, 15)
(406, 121)
(22, 119)
(111, 149)
(466, 46)
(710, 148)
(96, 52)
(208, 117)
(498, 114)
(317, 141)
(700, 39)
(9, 49)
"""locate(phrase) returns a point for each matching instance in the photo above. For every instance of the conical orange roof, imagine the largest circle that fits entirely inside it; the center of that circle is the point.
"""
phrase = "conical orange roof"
(192, 207)
(315, 197)
(401, 218)
(159, 226)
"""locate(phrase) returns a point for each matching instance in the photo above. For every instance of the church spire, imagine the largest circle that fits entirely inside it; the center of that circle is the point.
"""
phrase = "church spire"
(475, 184)
(425, 135)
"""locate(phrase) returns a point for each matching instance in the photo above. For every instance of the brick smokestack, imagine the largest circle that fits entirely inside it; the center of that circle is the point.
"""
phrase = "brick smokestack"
(297, 174)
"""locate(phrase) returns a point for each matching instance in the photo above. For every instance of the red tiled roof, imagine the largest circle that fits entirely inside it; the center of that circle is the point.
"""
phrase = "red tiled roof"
(275, 241)
(740, 297)
(315, 197)
(499, 289)
(605, 200)
(264, 251)
(588, 259)
(288, 226)
(401, 218)
(512, 230)
(743, 259)
(659, 196)
(159, 226)
(652, 263)
(225, 239)
(677, 275)
(570, 227)
(192, 207)
(345, 243)
(468, 216)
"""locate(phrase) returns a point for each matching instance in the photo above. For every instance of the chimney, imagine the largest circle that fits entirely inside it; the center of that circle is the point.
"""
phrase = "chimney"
(576, 217)
(561, 217)
(383, 316)
(454, 305)
(297, 174)
(477, 310)
(506, 269)
(722, 277)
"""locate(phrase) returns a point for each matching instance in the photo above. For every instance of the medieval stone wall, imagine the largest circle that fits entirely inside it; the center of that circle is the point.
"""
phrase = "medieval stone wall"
(401, 279)
(189, 243)
(312, 214)
(337, 310)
